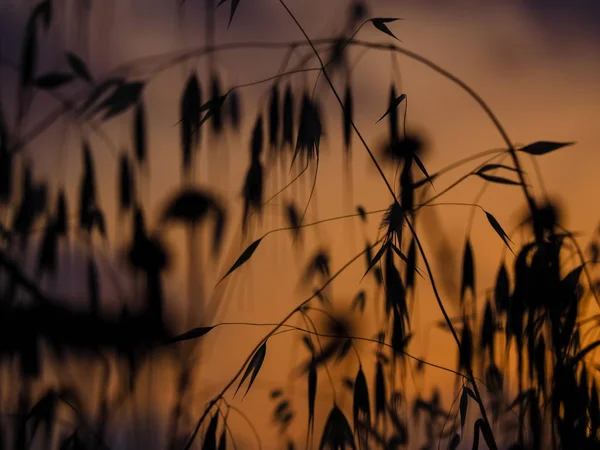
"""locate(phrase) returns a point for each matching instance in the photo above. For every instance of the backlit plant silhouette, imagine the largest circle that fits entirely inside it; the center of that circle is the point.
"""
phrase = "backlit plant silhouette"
(533, 312)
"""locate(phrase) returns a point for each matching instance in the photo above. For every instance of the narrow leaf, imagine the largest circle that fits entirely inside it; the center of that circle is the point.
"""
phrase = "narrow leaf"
(543, 147)
(274, 117)
(235, 110)
(490, 167)
(254, 367)
(392, 106)
(293, 218)
(234, 5)
(288, 117)
(210, 438)
(125, 183)
(422, 167)
(62, 225)
(194, 333)
(470, 392)
(496, 226)
(466, 348)
(476, 428)
(361, 407)
(312, 395)
(215, 110)
(464, 403)
(348, 115)
(502, 290)
(379, 392)
(411, 265)
(418, 184)
(488, 436)
(189, 109)
(256, 143)
(376, 259)
(488, 330)
(253, 192)
(468, 272)
(244, 257)
(380, 24)
(399, 253)
(223, 440)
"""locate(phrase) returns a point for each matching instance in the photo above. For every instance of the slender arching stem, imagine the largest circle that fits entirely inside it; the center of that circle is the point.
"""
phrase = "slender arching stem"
(408, 222)
(274, 330)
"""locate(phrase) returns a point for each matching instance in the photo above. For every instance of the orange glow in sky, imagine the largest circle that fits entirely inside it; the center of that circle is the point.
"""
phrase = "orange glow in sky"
(539, 91)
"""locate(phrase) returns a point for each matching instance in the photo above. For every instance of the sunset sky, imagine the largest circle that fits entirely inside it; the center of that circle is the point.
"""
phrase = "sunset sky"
(536, 63)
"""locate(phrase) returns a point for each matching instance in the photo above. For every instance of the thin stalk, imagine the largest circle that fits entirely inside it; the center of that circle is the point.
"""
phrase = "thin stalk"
(274, 330)
(408, 222)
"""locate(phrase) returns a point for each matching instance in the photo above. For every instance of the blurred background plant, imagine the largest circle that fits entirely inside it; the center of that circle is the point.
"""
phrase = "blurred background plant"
(94, 335)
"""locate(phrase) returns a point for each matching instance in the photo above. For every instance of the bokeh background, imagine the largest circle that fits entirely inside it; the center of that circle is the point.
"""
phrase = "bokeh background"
(536, 63)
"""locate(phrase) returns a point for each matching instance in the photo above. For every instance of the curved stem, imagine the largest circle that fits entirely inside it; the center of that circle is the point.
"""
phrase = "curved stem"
(312, 191)
(464, 86)
(266, 338)
(408, 222)
(287, 185)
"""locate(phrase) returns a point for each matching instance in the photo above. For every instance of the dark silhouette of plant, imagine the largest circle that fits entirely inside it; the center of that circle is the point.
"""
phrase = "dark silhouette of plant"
(533, 311)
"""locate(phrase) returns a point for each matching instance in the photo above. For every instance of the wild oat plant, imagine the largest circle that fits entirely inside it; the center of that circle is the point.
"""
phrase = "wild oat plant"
(532, 313)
